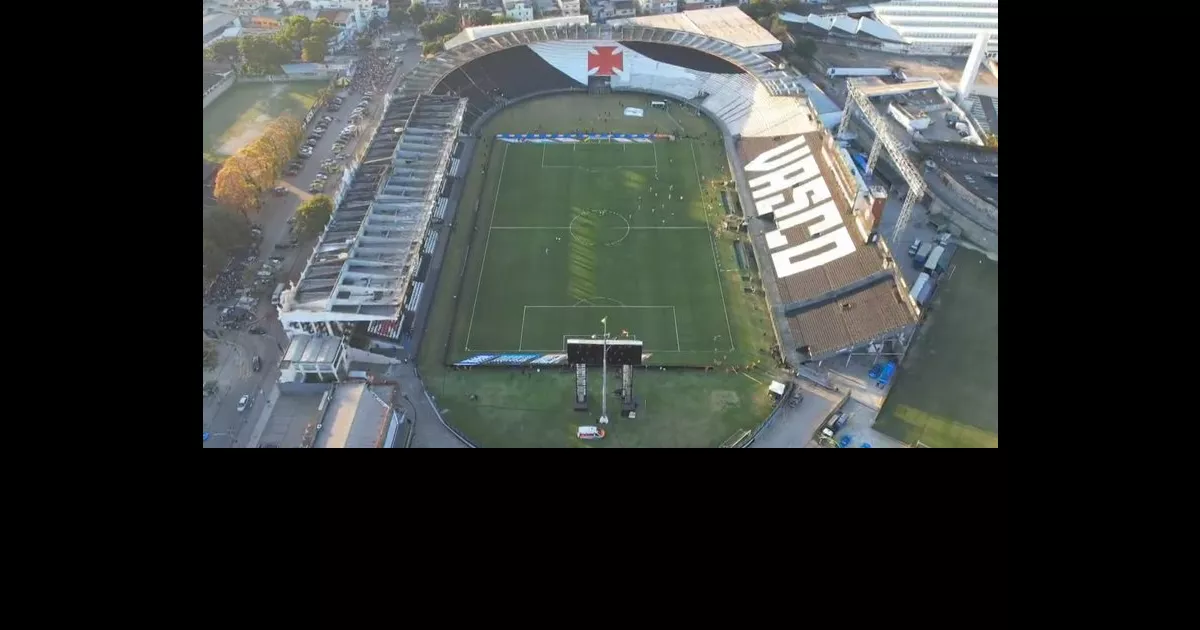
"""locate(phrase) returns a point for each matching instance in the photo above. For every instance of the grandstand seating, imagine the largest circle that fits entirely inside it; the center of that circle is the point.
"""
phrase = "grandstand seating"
(508, 74)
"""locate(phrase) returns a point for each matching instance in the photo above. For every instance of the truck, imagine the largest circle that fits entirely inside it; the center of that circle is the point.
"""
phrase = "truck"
(926, 291)
(923, 254)
(277, 294)
(931, 263)
(918, 286)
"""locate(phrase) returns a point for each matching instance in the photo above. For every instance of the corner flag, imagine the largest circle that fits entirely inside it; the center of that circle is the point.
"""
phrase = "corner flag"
(604, 320)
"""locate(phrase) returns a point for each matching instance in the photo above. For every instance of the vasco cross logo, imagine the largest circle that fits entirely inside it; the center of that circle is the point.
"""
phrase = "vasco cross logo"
(603, 61)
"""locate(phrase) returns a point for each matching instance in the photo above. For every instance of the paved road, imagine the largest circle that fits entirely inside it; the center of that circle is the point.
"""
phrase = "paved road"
(228, 427)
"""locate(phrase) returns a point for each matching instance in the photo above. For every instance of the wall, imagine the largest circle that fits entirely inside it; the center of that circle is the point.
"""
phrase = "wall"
(217, 90)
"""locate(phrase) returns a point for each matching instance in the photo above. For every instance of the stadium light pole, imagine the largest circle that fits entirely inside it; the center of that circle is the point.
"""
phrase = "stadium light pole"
(604, 374)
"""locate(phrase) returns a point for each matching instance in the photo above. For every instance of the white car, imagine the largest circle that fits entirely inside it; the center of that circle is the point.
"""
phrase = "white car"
(243, 402)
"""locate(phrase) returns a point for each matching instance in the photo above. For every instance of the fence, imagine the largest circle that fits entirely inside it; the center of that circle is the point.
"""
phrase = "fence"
(219, 88)
(461, 438)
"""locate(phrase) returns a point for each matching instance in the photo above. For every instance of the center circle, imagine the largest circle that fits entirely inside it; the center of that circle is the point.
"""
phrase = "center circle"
(600, 226)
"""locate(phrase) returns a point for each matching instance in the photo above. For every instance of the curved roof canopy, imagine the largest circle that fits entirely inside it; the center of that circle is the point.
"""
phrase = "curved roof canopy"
(432, 70)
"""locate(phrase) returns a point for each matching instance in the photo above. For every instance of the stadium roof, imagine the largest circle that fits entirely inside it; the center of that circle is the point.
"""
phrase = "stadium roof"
(217, 22)
(729, 24)
(848, 300)
(850, 319)
(479, 32)
(432, 70)
(364, 261)
(356, 417)
(843, 25)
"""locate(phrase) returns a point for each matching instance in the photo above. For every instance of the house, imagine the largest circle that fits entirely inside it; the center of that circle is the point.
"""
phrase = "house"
(654, 7)
(519, 10)
(568, 7)
(622, 9)
(346, 24)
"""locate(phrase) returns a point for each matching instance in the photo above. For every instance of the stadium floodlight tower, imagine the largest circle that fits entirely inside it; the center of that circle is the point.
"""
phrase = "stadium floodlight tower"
(604, 374)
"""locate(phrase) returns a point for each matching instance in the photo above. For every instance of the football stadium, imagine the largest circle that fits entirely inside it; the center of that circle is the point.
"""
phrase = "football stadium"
(562, 218)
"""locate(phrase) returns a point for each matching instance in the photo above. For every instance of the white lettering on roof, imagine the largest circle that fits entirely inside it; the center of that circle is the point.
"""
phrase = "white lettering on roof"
(792, 165)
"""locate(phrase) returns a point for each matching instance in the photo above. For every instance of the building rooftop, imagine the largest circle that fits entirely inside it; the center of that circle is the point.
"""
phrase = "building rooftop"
(975, 168)
(479, 32)
(311, 349)
(729, 24)
(217, 22)
(357, 417)
(364, 261)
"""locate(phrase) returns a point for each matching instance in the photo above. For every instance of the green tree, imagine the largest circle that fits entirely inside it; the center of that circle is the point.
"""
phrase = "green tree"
(432, 48)
(759, 9)
(805, 47)
(993, 141)
(364, 43)
(224, 50)
(479, 17)
(418, 13)
(504, 19)
(296, 28)
(312, 215)
(322, 29)
(262, 54)
(398, 17)
(313, 50)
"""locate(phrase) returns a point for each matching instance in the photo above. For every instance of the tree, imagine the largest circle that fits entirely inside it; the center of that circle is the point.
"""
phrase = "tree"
(418, 13)
(440, 26)
(398, 17)
(758, 9)
(235, 186)
(313, 50)
(262, 54)
(479, 17)
(365, 43)
(312, 215)
(504, 19)
(296, 28)
(210, 355)
(323, 30)
(224, 50)
(992, 141)
(432, 48)
(805, 47)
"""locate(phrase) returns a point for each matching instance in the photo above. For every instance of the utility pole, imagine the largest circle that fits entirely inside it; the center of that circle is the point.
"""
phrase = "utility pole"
(604, 375)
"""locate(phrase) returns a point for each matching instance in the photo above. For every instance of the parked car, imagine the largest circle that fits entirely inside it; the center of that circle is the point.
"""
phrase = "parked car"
(243, 403)
(279, 191)
(256, 364)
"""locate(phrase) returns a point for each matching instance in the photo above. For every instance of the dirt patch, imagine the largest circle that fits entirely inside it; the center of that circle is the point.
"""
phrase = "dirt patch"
(248, 134)
(723, 399)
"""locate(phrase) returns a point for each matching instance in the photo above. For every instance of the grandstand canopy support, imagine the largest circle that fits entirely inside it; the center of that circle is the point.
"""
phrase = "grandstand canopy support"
(916, 184)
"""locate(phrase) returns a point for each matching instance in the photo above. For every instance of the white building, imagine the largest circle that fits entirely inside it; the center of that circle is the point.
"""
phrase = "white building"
(568, 7)
(519, 10)
(941, 27)
(659, 6)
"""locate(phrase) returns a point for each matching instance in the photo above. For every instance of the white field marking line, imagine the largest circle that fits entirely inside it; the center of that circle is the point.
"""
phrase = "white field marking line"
(521, 341)
(678, 347)
(654, 148)
(713, 242)
(486, 242)
(593, 306)
(649, 227)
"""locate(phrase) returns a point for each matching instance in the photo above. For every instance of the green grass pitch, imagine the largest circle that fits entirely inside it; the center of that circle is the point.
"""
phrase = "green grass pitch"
(581, 232)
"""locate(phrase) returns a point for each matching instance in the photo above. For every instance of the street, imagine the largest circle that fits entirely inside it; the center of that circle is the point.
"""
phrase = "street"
(237, 348)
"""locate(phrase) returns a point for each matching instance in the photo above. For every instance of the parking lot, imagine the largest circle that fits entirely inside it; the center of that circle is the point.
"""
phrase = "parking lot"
(237, 346)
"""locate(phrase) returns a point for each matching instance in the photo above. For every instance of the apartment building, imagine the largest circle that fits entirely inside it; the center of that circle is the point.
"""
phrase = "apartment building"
(654, 7)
